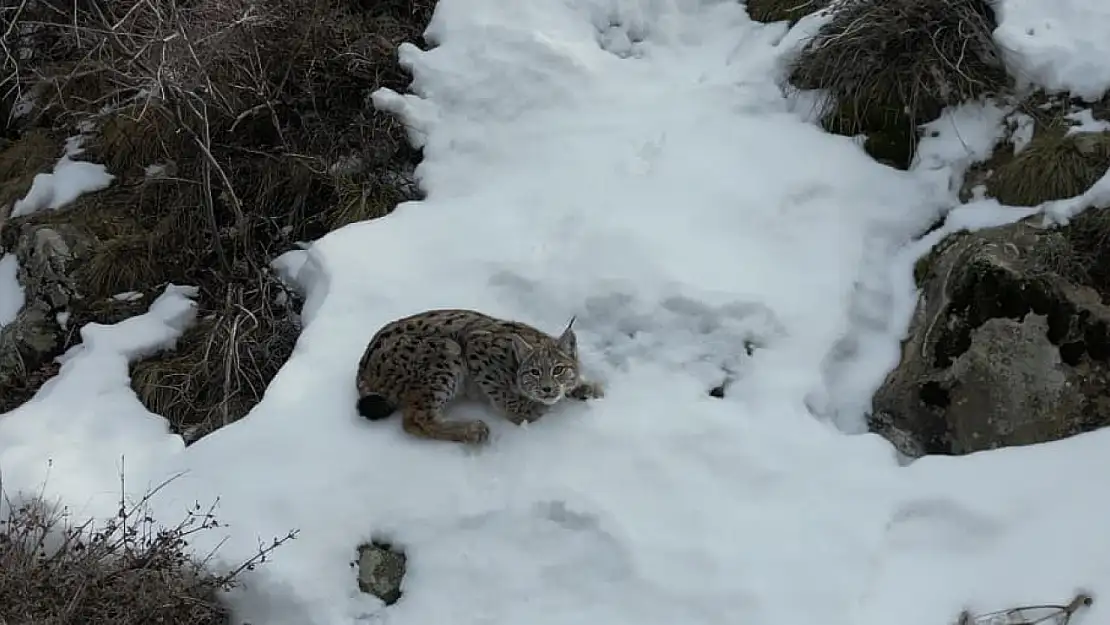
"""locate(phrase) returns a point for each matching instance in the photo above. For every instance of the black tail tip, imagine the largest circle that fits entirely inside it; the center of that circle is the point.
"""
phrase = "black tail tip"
(375, 407)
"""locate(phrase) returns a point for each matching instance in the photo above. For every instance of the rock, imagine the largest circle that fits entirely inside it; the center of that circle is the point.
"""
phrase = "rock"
(381, 570)
(47, 255)
(1008, 346)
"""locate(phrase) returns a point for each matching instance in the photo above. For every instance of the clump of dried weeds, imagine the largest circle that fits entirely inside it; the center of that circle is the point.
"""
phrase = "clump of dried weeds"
(891, 65)
(127, 571)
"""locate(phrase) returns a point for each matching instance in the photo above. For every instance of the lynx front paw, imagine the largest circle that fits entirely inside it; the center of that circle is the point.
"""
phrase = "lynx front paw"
(476, 433)
(587, 390)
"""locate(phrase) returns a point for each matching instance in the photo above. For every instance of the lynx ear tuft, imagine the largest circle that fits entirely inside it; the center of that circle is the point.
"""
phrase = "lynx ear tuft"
(567, 341)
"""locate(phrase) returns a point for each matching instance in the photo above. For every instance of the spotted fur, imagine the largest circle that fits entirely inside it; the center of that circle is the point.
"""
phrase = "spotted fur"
(421, 363)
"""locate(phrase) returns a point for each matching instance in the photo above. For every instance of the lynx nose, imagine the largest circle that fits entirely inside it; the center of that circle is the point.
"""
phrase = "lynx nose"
(546, 389)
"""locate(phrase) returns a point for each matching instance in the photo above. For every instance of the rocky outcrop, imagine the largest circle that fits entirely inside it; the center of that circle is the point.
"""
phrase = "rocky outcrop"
(381, 568)
(47, 255)
(1009, 345)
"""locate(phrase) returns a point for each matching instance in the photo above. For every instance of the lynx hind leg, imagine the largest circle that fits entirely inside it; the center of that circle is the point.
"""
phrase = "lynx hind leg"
(423, 419)
(442, 378)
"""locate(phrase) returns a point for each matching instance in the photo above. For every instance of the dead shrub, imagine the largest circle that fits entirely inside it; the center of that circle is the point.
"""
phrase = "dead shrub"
(127, 571)
(783, 10)
(222, 366)
(891, 63)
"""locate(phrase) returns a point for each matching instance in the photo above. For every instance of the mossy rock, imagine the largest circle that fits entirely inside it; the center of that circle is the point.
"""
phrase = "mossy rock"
(894, 147)
(924, 266)
(1007, 347)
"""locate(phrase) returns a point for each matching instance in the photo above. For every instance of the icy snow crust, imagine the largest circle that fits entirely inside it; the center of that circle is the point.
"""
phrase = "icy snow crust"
(662, 190)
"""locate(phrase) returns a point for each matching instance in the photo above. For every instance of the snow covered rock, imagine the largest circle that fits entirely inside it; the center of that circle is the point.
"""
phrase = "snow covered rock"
(380, 571)
(1009, 345)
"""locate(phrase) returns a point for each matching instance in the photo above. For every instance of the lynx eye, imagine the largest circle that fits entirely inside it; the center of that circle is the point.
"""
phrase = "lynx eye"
(558, 370)
(534, 373)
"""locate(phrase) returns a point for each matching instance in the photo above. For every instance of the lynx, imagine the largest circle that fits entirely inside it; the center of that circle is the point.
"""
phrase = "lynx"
(421, 363)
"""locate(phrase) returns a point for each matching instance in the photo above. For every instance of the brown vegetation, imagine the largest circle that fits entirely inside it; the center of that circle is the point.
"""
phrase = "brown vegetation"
(891, 65)
(234, 129)
(783, 10)
(127, 571)
(1052, 165)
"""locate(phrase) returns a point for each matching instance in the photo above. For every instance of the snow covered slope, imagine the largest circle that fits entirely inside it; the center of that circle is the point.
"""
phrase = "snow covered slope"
(633, 163)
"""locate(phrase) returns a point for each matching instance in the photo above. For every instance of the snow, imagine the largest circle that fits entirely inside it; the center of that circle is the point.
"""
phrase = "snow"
(1023, 126)
(69, 180)
(1085, 122)
(88, 417)
(11, 292)
(963, 136)
(1061, 211)
(634, 164)
(1059, 45)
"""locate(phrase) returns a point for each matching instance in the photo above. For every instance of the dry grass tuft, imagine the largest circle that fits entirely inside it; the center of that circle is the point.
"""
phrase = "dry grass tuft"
(23, 387)
(891, 63)
(1052, 166)
(127, 571)
(121, 264)
(21, 159)
(1055, 254)
(369, 198)
(783, 10)
(1088, 235)
(222, 366)
(132, 139)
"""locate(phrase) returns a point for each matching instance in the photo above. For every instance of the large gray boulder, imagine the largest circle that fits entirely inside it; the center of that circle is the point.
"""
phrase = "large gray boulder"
(1009, 345)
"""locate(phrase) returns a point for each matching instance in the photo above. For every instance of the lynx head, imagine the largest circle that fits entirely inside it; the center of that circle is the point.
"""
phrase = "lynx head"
(547, 370)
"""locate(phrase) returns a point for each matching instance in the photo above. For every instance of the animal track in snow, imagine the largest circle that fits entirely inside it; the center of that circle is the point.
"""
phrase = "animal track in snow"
(711, 342)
